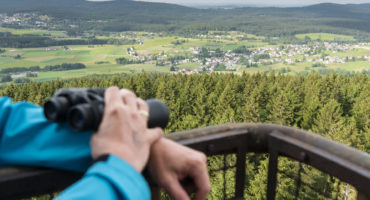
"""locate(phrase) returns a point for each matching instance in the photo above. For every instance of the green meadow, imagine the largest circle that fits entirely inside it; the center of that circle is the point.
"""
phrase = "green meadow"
(57, 55)
(292, 69)
(102, 69)
(101, 59)
(326, 37)
(91, 55)
(34, 32)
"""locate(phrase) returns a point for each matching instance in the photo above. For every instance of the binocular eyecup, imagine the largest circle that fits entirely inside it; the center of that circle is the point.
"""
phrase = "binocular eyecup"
(86, 116)
(55, 108)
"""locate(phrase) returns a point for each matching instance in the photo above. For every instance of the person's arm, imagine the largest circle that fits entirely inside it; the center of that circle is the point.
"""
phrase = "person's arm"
(179, 170)
(109, 179)
(123, 134)
(27, 138)
(38, 142)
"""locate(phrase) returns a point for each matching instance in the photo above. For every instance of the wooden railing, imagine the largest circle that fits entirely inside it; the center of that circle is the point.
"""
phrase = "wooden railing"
(345, 164)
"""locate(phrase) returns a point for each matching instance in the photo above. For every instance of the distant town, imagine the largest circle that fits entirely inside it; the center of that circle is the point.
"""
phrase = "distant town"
(33, 20)
(214, 51)
(316, 53)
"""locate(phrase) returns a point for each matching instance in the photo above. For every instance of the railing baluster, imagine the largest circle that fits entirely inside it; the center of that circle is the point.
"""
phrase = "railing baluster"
(240, 171)
(299, 181)
(272, 172)
(272, 167)
(224, 176)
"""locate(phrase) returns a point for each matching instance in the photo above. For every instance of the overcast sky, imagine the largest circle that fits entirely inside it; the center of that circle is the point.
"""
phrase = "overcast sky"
(256, 2)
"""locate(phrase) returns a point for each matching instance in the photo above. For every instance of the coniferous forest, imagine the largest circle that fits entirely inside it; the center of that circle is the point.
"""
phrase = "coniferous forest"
(334, 106)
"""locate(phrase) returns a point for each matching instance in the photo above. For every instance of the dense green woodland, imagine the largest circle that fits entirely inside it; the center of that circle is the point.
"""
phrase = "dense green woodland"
(334, 106)
(61, 67)
(126, 15)
(26, 41)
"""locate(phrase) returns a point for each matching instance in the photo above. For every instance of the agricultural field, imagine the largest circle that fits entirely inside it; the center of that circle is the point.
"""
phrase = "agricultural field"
(34, 32)
(215, 51)
(89, 56)
(326, 37)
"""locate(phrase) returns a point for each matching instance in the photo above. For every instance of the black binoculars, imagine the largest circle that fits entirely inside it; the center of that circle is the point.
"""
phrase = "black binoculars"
(83, 109)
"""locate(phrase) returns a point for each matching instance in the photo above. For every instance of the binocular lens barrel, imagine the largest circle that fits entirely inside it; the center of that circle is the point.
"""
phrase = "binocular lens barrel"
(158, 114)
(85, 116)
(89, 116)
(55, 109)
(83, 109)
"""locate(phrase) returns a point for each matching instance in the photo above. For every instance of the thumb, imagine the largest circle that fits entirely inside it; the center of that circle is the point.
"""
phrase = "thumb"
(154, 135)
(176, 191)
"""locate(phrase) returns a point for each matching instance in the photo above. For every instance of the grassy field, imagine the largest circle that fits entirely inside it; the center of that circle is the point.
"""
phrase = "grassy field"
(190, 66)
(356, 66)
(102, 69)
(354, 52)
(34, 32)
(106, 55)
(78, 54)
(326, 37)
(44, 56)
(299, 67)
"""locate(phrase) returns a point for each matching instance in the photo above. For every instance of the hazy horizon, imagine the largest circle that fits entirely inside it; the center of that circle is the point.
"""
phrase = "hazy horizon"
(281, 3)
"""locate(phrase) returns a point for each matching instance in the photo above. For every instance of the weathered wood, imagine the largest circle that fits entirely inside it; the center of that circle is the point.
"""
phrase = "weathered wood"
(341, 161)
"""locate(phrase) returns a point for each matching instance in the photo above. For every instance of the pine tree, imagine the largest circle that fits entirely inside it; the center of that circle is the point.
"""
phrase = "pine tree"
(258, 185)
(282, 109)
(252, 111)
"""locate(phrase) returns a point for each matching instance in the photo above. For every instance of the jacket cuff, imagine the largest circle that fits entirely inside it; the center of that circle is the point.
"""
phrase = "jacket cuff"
(123, 177)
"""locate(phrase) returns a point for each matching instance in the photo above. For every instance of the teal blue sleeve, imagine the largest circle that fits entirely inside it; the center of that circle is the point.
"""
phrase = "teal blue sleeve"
(27, 138)
(111, 179)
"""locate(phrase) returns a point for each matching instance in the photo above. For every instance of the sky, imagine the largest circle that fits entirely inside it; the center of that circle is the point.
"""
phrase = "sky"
(257, 2)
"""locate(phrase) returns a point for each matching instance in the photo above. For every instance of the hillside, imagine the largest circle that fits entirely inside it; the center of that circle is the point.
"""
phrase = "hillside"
(88, 10)
(126, 15)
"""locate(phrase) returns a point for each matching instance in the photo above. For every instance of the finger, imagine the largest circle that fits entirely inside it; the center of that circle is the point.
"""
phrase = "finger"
(173, 187)
(129, 98)
(112, 97)
(154, 135)
(201, 179)
(142, 105)
(143, 108)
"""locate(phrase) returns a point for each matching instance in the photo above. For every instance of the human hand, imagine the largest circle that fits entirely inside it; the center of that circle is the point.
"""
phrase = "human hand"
(171, 165)
(123, 131)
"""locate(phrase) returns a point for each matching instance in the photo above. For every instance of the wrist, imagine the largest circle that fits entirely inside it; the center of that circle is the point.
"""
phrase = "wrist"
(126, 156)
(158, 146)
(132, 160)
(101, 158)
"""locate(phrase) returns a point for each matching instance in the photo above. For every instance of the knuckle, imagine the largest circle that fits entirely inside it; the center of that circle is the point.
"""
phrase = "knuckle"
(158, 131)
(203, 157)
(144, 105)
(134, 115)
(127, 93)
(116, 109)
(198, 161)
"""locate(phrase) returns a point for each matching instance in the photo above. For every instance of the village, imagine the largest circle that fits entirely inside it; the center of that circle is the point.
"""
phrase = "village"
(210, 51)
(314, 54)
(33, 20)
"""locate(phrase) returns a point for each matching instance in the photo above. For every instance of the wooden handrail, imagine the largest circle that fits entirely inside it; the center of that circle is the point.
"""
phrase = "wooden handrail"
(338, 160)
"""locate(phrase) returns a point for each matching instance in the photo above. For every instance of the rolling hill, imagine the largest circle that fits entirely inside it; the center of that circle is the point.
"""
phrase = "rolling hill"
(126, 15)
